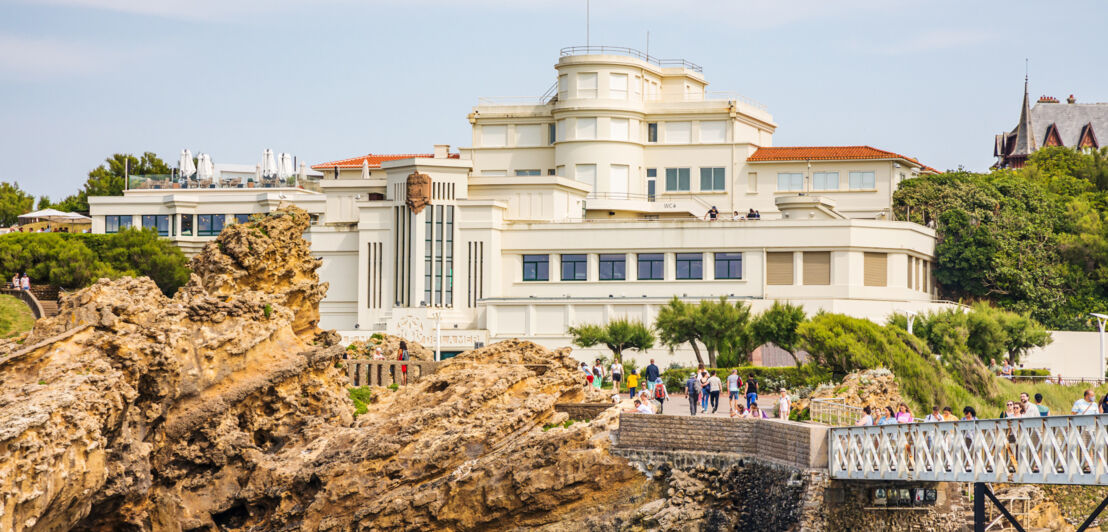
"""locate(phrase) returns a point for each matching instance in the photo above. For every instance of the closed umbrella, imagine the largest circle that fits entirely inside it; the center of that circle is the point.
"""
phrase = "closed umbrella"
(186, 165)
(365, 168)
(269, 165)
(303, 172)
(205, 170)
(284, 168)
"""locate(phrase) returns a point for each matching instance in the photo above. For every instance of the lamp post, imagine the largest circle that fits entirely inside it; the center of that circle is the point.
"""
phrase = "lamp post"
(1100, 320)
(437, 316)
(911, 315)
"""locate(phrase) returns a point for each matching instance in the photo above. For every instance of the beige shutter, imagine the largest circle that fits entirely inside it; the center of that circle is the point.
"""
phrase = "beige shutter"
(876, 269)
(779, 268)
(817, 267)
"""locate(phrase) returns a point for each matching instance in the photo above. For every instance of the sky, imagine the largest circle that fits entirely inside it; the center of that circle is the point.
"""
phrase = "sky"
(331, 79)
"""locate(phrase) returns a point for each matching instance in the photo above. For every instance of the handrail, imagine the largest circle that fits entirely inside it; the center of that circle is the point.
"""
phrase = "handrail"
(629, 52)
(1038, 450)
(834, 411)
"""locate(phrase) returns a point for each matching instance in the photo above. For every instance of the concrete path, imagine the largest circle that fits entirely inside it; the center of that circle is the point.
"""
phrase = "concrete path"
(678, 405)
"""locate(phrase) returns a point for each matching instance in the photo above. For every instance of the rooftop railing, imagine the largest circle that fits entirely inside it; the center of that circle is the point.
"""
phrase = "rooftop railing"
(630, 52)
(174, 182)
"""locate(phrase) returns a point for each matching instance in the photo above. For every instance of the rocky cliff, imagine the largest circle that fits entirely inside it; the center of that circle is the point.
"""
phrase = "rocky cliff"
(225, 408)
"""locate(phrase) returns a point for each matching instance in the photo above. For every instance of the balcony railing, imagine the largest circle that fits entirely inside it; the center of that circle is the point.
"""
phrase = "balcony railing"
(630, 52)
(173, 182)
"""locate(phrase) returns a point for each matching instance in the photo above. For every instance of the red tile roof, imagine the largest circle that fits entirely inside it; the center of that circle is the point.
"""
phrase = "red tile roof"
(374, 160)
(824, 153)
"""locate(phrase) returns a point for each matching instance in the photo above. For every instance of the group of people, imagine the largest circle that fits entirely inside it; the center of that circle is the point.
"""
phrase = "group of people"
(1012, 409)
(595, 374)
(713, 214)
(21, 283)
(704, 387)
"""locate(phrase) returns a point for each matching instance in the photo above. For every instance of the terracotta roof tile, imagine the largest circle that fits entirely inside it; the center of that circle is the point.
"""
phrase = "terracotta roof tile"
(824, 153)
(374, 160)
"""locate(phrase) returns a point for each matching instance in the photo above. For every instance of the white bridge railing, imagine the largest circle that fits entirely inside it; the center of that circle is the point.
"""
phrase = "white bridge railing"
(1047, 450)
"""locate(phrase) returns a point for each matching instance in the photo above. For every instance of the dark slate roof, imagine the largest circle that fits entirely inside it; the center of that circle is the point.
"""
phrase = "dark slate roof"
(1070, 119)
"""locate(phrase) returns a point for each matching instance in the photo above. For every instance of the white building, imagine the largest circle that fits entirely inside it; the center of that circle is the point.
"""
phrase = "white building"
(584, 205)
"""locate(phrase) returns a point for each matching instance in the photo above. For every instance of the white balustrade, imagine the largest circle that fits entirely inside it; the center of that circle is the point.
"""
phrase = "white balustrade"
(1043, 450)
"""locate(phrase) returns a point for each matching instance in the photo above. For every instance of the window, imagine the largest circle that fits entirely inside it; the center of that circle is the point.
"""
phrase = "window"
(209, 224)
(242, 218)
(729, 265)
(620, 129)
(817, 267)
(825, 181)
(636, 88)
(751, 182)
(678, 132)
(160, 223)
(613, 267)
(563, 86)
(529, 135)
(651, 266)
(115, 224)
(586, 128)
(617, 86)
(713, 132)
(551, 133)
(550, 171)
(651, 184)
(528, 172)
(618, 179)
(575, 268)
(494, 136)
(496, 173)
(586, 173)
(560, 130)
(790, 181)
(652, 132)
(586, 85)
(690, 265)
(438, 256)
(862, 181)
(712, 179)
(186, 224)
(560, 170)
(677, 179)
(536, 267)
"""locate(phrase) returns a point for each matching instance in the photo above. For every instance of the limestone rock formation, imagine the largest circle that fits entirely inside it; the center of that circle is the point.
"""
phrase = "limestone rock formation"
(225, 408)
(390, 346)
(876, 388)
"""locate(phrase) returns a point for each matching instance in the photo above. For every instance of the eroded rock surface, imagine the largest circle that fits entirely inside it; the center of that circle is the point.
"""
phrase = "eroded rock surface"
(225, 408)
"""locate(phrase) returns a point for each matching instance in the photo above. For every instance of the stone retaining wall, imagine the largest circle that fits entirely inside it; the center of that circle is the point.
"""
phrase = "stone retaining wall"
(800, 445)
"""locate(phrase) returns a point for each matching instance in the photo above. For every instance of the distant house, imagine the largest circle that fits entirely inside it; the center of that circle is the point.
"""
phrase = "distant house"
(1050, 123)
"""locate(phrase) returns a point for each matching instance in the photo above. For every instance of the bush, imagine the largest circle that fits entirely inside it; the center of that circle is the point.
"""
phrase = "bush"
(1032, 373)
(362, 396)
(806, 376)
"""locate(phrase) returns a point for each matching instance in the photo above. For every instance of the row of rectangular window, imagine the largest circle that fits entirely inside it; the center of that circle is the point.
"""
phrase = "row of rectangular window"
(794, 181)
(585, 128)
(207, 224)
(713, 179)
(650, 266)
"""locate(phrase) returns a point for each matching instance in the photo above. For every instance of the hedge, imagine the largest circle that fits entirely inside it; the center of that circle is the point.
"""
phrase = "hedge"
(791, 377)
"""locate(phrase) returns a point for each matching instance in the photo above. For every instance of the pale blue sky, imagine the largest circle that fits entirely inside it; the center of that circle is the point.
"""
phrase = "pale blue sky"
(328, 79)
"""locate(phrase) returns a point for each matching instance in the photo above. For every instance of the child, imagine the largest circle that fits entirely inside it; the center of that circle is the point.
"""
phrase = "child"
(632, 383)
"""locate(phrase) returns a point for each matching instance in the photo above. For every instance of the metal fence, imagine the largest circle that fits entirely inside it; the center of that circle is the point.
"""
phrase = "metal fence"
(1046, 450)
(834, 411)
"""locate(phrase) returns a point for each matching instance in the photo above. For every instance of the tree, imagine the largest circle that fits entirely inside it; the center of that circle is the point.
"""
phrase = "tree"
(108, 178)
(723, 326)
(778, 325)
(13, 202)
(618, 335)
(676, 324)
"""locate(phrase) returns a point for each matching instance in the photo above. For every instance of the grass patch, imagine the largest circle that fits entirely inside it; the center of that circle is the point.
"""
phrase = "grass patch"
(565, 425)
(15, 316)
(361, 396)
(394, 386)
(267, 310)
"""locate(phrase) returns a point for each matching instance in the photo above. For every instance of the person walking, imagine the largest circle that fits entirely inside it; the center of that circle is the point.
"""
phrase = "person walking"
(934, 416)
(692, 391)
(661, 395)
(632, 383)
(703, 381)
(26, 282)
(714, 388)
(734, 384)
(597, 374)
(751, 391)
(903, 415)
(617, 376)
(651, 375)
(948, 414)
(403, 356)
(888, 417)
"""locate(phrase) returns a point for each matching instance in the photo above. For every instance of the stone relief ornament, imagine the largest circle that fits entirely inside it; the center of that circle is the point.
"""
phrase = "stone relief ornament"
(419, 192)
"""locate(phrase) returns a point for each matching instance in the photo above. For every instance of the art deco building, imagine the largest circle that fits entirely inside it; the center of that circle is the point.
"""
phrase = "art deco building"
(585, 204)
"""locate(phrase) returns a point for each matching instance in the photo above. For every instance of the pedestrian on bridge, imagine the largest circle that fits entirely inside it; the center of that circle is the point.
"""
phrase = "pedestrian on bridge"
(866, 419)
(1086, 405)
(1043, 409)
(692, 391)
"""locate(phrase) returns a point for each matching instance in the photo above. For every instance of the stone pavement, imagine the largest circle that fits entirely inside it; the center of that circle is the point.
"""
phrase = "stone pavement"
(678, 405)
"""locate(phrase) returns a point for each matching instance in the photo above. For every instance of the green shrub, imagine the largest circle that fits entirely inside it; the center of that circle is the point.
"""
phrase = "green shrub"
(394, 386)
(267, 310)
(362, 396)
(376, 336)
(1032, 373)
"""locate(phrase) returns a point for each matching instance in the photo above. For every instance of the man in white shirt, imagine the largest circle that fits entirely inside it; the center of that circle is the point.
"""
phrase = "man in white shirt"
(1086, 405)
(934, 416)
(641, 408)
